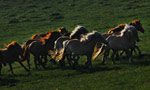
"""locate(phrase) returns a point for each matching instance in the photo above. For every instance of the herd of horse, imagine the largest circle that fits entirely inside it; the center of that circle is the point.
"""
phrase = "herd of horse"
(63, 44)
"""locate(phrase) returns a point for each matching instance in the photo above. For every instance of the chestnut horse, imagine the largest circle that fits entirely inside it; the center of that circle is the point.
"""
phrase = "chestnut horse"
(40, 48)
(13, 52)
(62, 30)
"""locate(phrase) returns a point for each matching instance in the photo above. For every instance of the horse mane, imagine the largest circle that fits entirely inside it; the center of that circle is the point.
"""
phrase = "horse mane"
(134, 22)
(12, 44)
(116, 29)
(77, 30)
(88, 37)
(126, 28)
(61, 28)
(34, 35)
(47, 36)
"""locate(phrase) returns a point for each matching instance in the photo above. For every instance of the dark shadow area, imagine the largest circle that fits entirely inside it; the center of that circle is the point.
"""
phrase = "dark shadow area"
(143, 60)
(8, 82)
(96, 68)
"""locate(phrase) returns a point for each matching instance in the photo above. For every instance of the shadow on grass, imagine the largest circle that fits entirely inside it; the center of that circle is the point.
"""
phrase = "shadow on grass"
(97, 68)
(144, 60)
(8, 82)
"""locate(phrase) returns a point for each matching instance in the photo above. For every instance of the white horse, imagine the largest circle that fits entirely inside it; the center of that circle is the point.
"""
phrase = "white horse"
(124, 41)
(84, 46)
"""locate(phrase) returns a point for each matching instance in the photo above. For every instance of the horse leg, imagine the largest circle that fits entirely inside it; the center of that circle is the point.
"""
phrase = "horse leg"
(88, 62)
(129, 55)
(10, 66)
(69, 60)
(41, 59)
(106, 53)
(35, 62)
(40, 62)
(45, 58)
(140, 54)
(62, 62)
(76, 59)
(28, 61)
(53, 61)
(112, 57)
(73, 61)
(117, 55)
(23, 66)
(0, 69)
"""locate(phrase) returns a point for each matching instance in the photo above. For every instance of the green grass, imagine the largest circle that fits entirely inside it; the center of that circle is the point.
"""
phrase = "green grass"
(20, 19)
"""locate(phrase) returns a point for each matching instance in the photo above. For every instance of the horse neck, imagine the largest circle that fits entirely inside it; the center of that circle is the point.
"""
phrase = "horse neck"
(134, 26)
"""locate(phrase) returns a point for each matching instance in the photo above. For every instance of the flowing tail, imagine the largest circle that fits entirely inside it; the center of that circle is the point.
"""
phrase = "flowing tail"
(61, 54)
(99, 52)
(52, 53)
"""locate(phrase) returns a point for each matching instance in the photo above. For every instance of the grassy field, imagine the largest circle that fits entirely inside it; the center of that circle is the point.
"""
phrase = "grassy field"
(20, 19)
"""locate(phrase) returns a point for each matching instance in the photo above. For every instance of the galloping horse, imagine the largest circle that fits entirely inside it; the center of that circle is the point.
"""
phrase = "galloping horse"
(41, 47)
(62, 30)
(13, 52)
(114, 31)
(75, 34)
(84, 46)
(123, 41)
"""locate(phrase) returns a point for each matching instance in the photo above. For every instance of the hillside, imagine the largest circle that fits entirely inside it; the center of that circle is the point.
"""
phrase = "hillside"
(20, 19)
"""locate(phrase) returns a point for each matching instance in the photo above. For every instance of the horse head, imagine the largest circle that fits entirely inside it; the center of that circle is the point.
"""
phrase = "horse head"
(77, 32)
(15, 49)
(137, 25)
(63, 30)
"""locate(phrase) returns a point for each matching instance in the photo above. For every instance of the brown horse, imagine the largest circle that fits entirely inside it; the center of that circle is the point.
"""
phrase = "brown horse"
(13, 52)
(39, 48)
(62, 30)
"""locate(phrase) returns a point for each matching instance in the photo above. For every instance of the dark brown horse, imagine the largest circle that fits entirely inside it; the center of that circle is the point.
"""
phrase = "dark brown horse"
(39, 48)
(12, 53)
